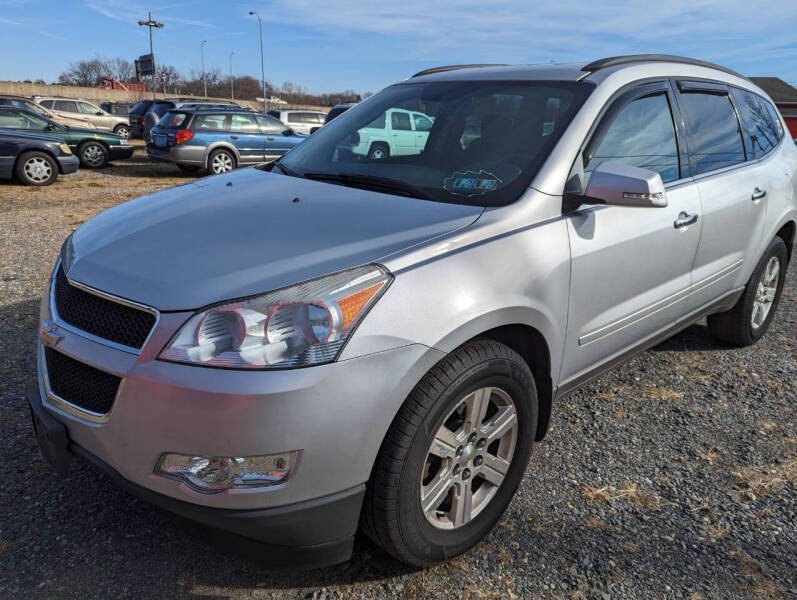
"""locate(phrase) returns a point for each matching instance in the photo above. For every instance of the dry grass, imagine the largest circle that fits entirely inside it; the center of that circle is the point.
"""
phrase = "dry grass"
(757, 482)
(628, 491)
(709, 456)
(660, 394)
(761, 586)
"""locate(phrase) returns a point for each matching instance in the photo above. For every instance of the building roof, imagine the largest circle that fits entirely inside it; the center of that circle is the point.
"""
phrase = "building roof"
(778, 90)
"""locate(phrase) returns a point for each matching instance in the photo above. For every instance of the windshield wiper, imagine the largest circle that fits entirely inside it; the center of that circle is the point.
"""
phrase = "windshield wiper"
(286, 170)
(374, 183)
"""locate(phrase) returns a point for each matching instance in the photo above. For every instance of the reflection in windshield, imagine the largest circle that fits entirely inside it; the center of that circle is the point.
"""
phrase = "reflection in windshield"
(474, 142)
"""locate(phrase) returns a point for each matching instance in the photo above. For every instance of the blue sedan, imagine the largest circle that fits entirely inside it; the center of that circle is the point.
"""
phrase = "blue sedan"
(220, 139)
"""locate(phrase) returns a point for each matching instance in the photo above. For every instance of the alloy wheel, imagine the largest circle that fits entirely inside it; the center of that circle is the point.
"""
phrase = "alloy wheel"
(93, 155)
(221, 163)
(38, 169)
(122, 132)
(469, 458)
(765, 292)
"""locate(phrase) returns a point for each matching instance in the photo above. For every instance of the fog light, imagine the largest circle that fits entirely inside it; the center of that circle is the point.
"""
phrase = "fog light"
(212, 474)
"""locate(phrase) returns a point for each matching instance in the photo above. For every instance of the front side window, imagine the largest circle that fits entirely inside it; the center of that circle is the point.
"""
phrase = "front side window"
(422, 123)
(65, 106)
(716, 141)
(761, 127)
(243, 123)
(88, 109)
(642, 135)
(486, 141)
(270, 125)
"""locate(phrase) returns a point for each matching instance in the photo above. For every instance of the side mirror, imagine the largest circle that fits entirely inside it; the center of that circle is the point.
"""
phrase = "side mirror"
(618, 184)
(100, 113)
(288, 131)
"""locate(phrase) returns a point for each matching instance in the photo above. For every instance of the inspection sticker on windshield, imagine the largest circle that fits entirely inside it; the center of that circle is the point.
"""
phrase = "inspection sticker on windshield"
(471, 183)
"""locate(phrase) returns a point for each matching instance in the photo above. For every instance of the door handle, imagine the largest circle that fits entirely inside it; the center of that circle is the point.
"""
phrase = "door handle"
(758, 193)
(270, 139)
(233, 137)
(685, 220)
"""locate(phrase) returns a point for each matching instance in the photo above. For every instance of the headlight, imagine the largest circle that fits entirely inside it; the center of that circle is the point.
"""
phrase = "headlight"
(65, 149)
(304, 324)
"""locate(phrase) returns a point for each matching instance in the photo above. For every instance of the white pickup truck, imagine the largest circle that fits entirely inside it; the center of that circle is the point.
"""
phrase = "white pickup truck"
(397, 132)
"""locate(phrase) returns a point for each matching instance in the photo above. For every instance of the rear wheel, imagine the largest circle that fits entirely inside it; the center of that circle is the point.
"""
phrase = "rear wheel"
(749, 319)
(36, 168)
(122, 131)
(221, 161)
(378, 151)
(454, 455)
(93, 155)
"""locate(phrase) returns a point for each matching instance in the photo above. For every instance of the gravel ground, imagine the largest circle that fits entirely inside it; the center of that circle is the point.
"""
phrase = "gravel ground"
(675, 476)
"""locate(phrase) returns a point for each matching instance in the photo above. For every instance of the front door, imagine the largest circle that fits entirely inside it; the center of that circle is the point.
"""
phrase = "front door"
(631, 267)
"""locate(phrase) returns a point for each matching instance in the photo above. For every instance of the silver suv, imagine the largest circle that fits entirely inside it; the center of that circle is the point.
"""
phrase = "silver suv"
(76, 108)
(332, 340)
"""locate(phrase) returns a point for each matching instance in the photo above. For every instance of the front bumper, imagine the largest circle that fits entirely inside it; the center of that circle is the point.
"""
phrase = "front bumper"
(68, 164)
(120, 152)
(309, 534)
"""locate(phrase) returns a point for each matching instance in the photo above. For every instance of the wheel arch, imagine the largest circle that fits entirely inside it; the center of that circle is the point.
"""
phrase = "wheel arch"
(221, 146)
(787, 234)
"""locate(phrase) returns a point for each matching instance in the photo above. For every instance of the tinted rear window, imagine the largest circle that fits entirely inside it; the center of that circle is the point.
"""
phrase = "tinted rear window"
(161, 108)
(716, 142)
(173, 119)
(761, 126)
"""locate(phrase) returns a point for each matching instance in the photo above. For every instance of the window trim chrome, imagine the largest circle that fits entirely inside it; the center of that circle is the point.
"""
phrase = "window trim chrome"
(106, 296)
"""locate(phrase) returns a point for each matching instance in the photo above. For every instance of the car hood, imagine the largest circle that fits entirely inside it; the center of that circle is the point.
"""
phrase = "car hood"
(246, 233)
(32, 136)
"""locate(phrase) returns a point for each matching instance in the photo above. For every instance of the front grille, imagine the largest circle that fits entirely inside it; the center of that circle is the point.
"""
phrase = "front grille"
(79, 384)
(99, 316)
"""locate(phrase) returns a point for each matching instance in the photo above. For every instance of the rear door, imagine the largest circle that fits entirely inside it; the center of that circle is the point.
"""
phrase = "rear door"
(630, 267)
(66, 108)
(732, 188)
(246, 136)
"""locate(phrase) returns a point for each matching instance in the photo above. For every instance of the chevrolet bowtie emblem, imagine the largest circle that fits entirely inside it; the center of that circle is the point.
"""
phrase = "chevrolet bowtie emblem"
(49, 334)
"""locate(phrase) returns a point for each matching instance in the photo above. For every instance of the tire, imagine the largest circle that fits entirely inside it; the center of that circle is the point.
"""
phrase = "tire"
(36, 168)
(221, 161)
(378, 151)
(93, 155)
(188, 168)
(749, 319)
(408, 466)
(122, 131)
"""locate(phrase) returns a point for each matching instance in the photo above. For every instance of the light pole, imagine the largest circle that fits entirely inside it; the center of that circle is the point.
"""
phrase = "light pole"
(262, 68)
(150, 23)
(232, 87)
(202, 54)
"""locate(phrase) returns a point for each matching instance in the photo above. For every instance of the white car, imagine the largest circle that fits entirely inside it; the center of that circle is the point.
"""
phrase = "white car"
(302, 121)
(396, 132)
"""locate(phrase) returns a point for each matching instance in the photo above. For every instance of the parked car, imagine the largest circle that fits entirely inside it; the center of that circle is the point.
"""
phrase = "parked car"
(288, 351)
(303, 121)
(75, 108)
(136, 117)
(219, 139)
(34, 159)
(398, 132)
(93, 147)
(337, 110)
(161, 107)
(22, 102)
(117, 108)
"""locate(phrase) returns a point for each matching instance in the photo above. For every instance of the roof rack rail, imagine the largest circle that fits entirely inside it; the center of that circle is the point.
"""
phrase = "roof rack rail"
(613, 61)
(454, 68)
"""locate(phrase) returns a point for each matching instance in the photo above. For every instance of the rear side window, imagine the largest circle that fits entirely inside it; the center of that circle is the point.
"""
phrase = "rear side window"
(274, 113)
(173, 119)
(761, 127)
(244, 123)
(65, 106)
(210, 123)
(716, 141)
(140, 107)
(642, 135)
(161, 108)
(400, 121)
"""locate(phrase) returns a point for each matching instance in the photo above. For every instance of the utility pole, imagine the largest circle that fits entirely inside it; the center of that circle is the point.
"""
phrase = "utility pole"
(204, 81)
(262, 67)
(150, 23)
(232, 86)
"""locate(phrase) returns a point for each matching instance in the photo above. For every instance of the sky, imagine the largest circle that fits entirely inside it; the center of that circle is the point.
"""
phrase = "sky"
(366, 45)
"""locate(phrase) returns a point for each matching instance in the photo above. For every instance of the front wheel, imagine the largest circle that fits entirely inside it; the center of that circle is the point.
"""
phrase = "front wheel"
(221, 161)
(93, 155)
(749, 319)
(36, 168)
(454, 455)
(122, 131)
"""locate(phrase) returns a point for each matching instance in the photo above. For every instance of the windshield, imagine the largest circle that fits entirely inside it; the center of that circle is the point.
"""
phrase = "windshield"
(467, 142)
